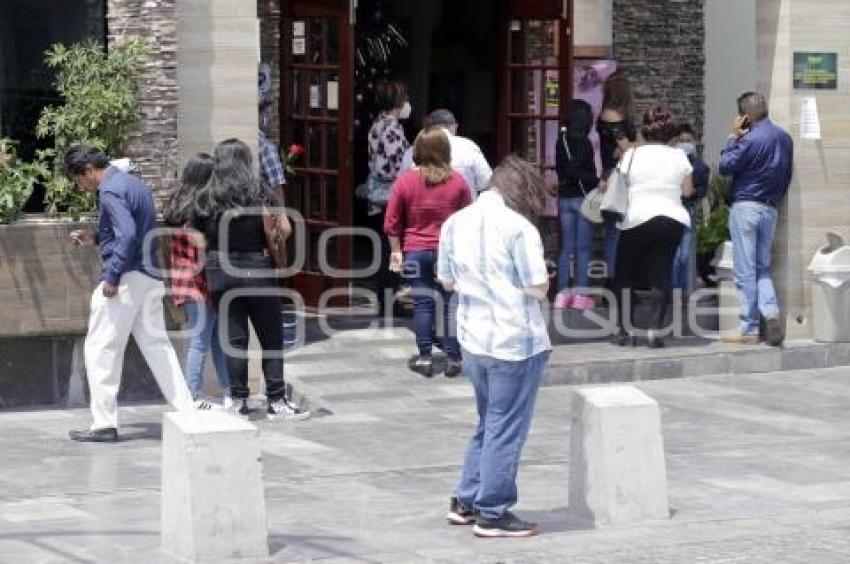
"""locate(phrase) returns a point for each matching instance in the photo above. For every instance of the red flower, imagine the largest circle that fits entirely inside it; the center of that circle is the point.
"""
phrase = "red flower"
(296, 150)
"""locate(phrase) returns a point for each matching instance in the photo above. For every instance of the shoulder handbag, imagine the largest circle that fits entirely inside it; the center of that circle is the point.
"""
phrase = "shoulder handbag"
(592, 200)
(615, 200)
(276, 236)
(378, 191)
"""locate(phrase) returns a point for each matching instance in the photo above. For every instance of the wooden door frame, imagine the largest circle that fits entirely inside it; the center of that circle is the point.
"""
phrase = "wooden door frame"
(533, 10)
(312, 285)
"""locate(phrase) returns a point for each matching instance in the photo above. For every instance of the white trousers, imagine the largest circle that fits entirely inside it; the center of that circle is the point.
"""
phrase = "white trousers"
(137, 309)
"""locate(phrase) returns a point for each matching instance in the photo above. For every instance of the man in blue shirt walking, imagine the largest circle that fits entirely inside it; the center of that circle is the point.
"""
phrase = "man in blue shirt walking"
(128, 299)
(759, 158)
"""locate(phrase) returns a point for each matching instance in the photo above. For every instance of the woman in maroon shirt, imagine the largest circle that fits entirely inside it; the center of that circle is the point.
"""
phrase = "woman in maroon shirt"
(422, 199)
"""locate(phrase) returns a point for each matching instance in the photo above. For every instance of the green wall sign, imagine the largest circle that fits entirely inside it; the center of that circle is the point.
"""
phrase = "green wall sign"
(816, 71)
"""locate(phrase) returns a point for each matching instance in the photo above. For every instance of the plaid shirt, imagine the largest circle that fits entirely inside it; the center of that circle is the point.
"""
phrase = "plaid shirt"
(188, 280)
(271, 167)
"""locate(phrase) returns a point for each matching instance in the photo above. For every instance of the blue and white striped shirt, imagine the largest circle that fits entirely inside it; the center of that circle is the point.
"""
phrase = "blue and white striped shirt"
(492, 254)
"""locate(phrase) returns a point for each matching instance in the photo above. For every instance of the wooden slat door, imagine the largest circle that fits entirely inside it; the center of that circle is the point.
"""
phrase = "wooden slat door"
(317, 97)
(535, 79)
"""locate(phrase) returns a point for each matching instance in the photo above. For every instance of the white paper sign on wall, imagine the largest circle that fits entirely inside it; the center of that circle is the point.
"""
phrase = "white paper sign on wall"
(333, 95)
(315, 96)
(809, 119)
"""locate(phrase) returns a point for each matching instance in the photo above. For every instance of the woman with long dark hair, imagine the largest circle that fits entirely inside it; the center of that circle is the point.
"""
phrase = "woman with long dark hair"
(616, 135)
(188, 280)
(659, 176)
(227, 212)
(422, 199)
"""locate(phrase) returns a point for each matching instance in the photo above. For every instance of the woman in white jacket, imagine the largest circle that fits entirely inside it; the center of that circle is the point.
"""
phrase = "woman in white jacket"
(659, 175)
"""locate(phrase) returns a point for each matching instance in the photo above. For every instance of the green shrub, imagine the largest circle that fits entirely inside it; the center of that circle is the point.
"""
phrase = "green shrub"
(99, 92)
(17, 180)
(715, 229)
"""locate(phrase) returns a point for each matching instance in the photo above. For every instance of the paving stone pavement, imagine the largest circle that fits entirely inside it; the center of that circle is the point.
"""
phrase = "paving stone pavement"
(757, 468)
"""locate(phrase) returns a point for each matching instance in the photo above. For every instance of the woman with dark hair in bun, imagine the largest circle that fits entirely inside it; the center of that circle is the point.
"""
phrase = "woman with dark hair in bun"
(659, 176)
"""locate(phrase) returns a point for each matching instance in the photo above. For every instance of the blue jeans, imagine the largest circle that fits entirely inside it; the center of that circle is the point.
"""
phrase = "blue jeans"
(753, 226)
(576, 241)
(201, 319)
(419, 271)
(505, 393)
(612, 239)
(684, 264)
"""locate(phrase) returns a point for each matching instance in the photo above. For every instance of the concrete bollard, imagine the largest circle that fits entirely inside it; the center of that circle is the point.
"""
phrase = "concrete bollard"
(617, 472)
(213, 501)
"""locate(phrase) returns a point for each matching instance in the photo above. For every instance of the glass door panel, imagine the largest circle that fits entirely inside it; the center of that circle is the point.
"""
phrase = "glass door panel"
(317, 113)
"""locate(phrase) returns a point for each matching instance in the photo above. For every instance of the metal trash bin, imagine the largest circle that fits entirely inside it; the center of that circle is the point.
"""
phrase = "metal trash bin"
(729, 313)
(830, 282)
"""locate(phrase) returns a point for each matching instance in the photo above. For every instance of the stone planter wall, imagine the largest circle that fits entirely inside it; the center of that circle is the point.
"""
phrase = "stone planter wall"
(660, 45)
(45, 282)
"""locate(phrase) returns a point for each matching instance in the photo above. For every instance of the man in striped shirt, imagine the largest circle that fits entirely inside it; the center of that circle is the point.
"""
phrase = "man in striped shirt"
(492, 256)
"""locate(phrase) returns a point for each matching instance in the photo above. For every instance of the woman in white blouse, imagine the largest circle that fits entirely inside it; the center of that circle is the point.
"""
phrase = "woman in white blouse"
(658, 176)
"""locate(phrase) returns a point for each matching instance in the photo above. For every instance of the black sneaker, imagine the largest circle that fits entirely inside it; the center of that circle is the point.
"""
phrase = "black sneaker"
(508, 525)
(108, 435)
(773, 331)
(459, 514)
(422, 365)
(453, 368)
(240, 407)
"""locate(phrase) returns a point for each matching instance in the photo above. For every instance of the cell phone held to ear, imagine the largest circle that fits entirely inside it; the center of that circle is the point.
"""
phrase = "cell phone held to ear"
(745, 123)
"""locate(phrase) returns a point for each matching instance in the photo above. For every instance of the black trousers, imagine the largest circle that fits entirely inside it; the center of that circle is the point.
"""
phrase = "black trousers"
(383, 280)
(263, 311)
(645, 257)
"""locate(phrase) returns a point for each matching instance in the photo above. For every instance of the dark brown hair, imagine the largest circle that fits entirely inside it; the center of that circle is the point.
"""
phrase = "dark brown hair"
(433, 155)
(617, 95)
(658, 125)
(390, 95)
(522, 187)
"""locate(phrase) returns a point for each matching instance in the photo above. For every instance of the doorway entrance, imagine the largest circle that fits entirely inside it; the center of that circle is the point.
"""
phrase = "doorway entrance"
(502, 67)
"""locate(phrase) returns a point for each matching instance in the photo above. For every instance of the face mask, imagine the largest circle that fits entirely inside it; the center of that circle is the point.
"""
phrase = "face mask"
(689, 148)
(405, 111)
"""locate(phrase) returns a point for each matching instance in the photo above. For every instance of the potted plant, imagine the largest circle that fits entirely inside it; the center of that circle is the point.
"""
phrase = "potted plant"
(714, 229)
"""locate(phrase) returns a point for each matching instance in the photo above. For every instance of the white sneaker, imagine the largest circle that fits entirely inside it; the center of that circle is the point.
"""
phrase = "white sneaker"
(203, 404)
(287, 410)
(227, 401)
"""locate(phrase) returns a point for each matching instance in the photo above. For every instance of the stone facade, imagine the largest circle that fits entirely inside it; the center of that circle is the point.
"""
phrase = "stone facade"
(269, 13)
(154, 146)
(660, 44)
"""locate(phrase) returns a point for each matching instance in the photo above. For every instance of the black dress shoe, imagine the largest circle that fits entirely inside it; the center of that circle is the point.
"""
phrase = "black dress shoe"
(623, 339)
(453, 368)
(422, 365)
(108, 435)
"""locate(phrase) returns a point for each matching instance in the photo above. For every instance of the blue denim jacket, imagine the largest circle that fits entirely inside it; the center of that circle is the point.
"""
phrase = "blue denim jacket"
(127, 214)
(760, 163)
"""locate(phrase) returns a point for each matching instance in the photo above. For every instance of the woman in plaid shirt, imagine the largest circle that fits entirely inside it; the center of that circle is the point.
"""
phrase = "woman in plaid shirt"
(188, 280)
